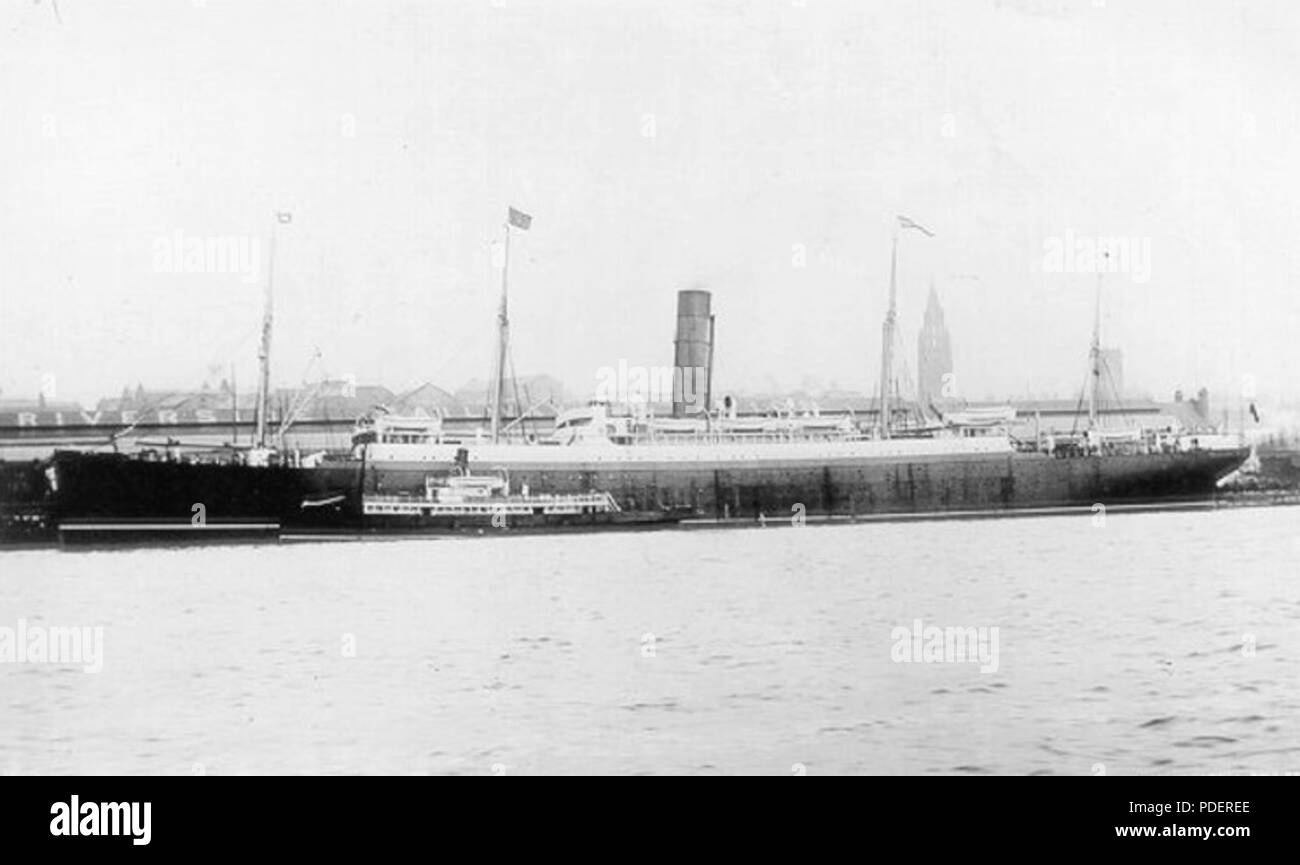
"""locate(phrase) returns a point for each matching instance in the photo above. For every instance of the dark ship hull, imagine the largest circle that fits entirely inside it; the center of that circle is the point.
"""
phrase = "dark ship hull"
(914, 486)
(105, 497)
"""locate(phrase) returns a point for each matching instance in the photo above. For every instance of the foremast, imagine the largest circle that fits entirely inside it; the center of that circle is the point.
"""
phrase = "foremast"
(264, 349)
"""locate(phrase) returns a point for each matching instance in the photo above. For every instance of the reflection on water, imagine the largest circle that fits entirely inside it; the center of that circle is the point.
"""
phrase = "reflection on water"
(1157, 643)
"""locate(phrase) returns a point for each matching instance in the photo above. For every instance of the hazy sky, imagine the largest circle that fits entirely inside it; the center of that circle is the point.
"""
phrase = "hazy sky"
(758, 149)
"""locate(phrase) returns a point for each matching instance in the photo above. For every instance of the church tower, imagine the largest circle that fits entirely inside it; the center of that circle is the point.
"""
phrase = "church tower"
(933, 352)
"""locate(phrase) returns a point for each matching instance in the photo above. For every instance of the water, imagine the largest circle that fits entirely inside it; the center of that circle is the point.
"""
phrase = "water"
(1156, 643)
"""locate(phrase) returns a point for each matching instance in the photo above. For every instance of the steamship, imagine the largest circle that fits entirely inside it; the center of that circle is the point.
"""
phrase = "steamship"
(711, 466)
(720, 467)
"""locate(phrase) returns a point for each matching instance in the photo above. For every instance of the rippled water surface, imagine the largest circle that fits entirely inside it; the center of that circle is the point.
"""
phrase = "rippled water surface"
(1157, 643)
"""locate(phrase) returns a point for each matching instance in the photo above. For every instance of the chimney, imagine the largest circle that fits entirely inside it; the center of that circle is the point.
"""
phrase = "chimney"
(692, 353)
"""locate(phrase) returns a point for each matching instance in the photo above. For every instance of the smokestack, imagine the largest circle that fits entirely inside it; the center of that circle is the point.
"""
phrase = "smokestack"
(692, 352)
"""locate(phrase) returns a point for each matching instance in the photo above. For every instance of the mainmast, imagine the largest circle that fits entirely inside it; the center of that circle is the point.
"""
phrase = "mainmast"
(503, 340)
(522, 221)
(887, 340)
(890, 325)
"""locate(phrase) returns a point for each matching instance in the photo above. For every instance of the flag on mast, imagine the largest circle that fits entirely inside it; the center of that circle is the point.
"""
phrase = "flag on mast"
(904, 222)
(520, 220)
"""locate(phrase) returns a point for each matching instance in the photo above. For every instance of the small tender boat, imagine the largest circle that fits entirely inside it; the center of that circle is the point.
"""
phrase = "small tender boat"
(463, 502)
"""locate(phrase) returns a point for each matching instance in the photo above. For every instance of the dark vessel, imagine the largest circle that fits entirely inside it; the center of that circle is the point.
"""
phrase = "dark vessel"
(107, 498)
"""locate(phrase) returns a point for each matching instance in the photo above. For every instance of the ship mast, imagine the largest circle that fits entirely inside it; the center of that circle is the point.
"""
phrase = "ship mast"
(264, 350)
(503, 341)
(234, 407)
(1094, 355)
(891, 322)
(522, 221)
(887, 339)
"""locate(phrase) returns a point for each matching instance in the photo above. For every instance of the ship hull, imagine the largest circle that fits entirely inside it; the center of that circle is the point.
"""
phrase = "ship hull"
(106, 496)
(109, 498)
(919, 484)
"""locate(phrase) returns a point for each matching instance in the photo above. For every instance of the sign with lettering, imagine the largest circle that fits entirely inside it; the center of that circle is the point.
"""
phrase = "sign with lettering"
(127, 417)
